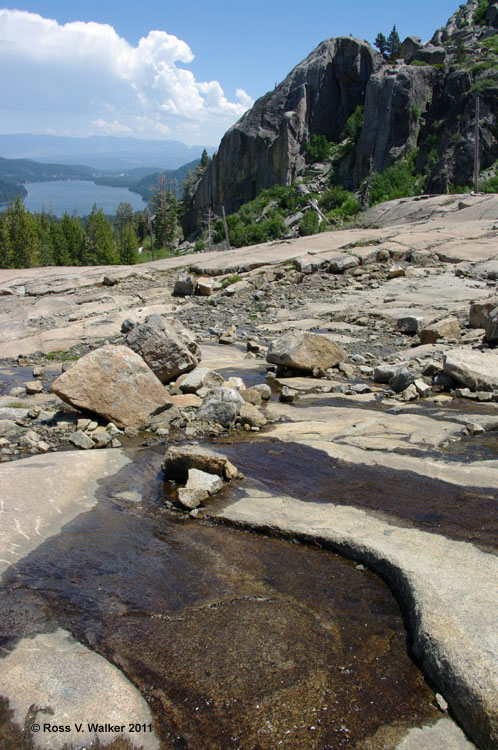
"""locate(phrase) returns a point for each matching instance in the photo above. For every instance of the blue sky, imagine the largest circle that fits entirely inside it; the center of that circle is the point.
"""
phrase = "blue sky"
(191, 79)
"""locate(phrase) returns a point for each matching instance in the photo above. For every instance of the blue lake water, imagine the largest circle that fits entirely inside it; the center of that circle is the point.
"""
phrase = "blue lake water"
(78, 195)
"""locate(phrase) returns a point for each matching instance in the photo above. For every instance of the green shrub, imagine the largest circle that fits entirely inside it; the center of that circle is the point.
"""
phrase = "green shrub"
(480, 13)
(489, 186)
(318, 149)
(309, 224)
(398, 181)
(418, 63)
(333, 198)
(354, 123)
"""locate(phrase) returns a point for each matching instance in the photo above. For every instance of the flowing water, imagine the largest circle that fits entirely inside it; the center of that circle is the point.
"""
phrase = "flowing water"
(235, 640)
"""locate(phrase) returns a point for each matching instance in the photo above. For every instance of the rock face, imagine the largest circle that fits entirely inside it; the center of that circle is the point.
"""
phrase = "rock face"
(267, 146)
(115, 383)
(167, 347)
(305, 351)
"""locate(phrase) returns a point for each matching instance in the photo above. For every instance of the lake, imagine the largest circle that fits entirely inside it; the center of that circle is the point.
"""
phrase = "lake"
(78, 195)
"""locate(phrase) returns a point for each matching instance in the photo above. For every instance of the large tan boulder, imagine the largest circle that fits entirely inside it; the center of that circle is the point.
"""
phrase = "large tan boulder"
(305, 351)
(166, 346)
(115, 383)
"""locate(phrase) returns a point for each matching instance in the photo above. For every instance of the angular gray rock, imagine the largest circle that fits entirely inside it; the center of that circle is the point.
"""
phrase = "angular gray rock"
(200, 485)
(410, 324)
(475, 369)
(184, 286)
(201, 377)
(167, 347)
(401, 380)
(179, 459)
(491, 335)
(305, 351)
(221, 405)
(114, 382)
(479, 312)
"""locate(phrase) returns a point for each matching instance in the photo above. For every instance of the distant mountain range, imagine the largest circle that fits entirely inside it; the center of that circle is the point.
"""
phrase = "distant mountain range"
(100, 152)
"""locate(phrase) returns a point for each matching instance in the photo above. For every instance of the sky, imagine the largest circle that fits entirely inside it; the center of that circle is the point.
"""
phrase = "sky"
(184, 70)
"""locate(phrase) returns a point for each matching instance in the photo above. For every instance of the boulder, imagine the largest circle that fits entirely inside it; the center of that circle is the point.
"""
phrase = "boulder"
(305, 351)
(475, 369)
(221, 405)
(184, 286)
(201, 377)
(167, 347)
(491, 330)
(200, 485)
(479, 312)
(179, 459)
(229, 336)
(401, 380)
(431, 55)
(383, 373)
(443, 329)
(252, 396)
(342, 262)
(114, 382)
(263, 389)
(410, 324)
(205, 286)
(251, 415)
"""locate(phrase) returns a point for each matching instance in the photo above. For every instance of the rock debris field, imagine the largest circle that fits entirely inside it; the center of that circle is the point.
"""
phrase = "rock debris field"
(338, 390)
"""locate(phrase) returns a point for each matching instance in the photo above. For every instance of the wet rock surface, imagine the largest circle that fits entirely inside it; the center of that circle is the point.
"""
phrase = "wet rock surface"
(226, 634)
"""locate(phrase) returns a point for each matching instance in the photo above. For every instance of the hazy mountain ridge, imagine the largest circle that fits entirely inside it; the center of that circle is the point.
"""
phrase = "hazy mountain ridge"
(99, 152)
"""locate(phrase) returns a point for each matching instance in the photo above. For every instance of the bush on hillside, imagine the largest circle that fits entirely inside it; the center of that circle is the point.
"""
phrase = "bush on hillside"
(398, 181)
(318, 149)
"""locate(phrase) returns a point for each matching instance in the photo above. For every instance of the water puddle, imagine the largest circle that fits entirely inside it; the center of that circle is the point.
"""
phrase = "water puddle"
(235, 639)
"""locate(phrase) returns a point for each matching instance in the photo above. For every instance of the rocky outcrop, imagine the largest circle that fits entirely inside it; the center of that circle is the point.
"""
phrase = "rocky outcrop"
(426, 101)
(267, 145)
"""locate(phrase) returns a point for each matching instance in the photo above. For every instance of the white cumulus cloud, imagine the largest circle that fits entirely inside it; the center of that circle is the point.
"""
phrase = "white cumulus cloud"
(83, 78)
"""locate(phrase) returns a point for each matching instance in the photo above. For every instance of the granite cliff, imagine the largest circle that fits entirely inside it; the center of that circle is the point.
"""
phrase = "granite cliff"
(425, 100)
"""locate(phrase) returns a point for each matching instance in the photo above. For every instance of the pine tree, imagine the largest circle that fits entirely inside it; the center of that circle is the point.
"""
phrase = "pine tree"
(23, 237)
(124, 217)
(128, 246)
(102, 250)
(5, 248)
(165, 206)
(76, 241)
(381, 43)
(393, 44)
(204, 160)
